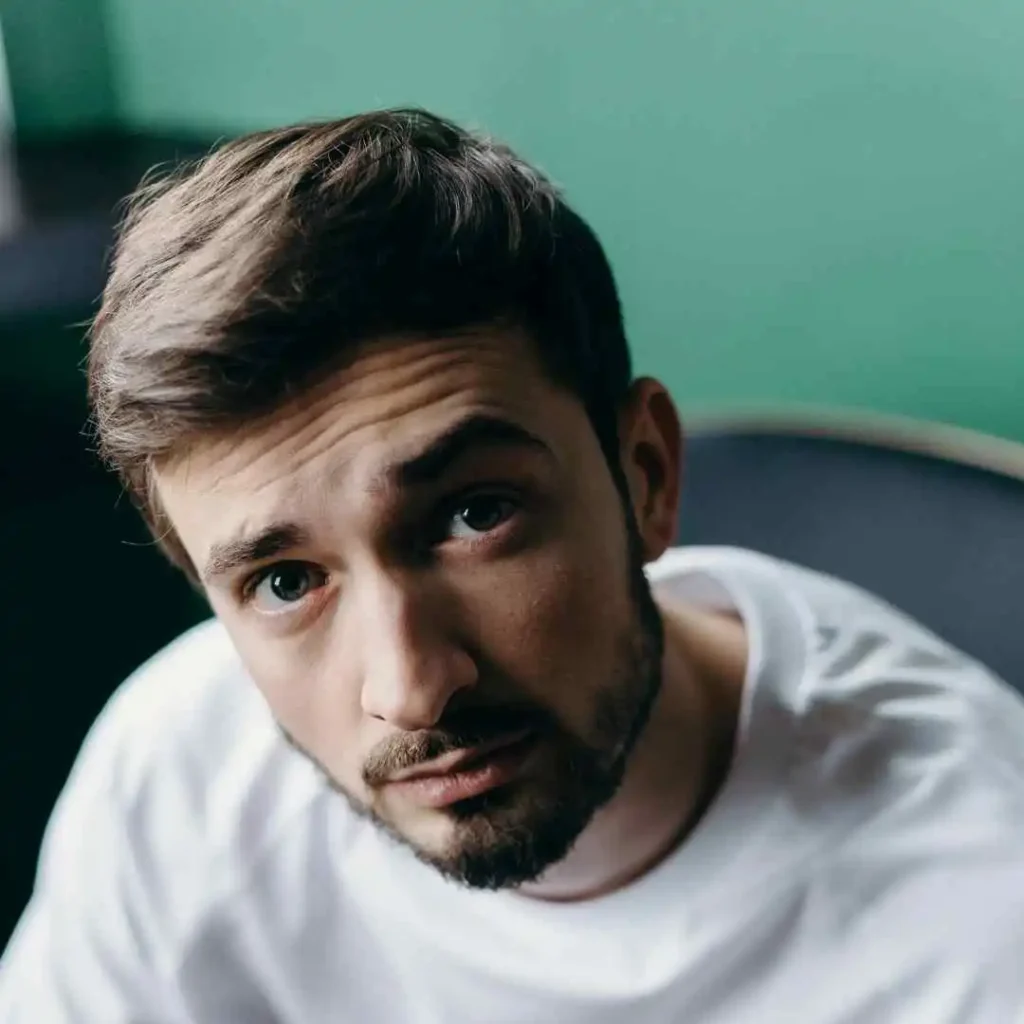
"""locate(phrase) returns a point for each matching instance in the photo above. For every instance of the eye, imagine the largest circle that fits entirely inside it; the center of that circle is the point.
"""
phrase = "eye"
(479, 514)
(279, 586)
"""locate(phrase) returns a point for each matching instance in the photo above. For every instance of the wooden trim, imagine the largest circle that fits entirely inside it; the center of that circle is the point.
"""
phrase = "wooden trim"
(900, 433)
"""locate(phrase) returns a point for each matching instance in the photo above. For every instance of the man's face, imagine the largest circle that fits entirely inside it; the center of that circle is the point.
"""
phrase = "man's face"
(428, 570)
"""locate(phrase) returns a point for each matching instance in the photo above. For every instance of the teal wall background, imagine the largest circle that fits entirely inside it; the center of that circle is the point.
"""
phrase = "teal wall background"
(59, 64)
(804, 201)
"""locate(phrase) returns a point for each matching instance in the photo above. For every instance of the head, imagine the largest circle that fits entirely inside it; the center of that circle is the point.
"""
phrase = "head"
(368, 383)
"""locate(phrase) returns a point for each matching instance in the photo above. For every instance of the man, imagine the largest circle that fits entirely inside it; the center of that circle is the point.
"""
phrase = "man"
(448, 752)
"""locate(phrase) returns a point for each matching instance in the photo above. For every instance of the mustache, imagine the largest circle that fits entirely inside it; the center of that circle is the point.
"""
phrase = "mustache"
(457, 731)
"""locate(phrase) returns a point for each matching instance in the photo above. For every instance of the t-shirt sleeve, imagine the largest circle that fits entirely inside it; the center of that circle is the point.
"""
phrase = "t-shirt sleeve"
(88, 948)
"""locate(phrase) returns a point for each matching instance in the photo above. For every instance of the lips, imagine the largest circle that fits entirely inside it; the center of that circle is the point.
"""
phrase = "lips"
(457, 760)
(463, 774)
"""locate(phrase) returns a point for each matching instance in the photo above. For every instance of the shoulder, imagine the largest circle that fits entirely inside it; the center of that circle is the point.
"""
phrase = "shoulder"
(185, 773)
(181, 794)
(907, 762)
(860, 650)
(889, 724)
(191, 717)
(881, 666)
(897, 725)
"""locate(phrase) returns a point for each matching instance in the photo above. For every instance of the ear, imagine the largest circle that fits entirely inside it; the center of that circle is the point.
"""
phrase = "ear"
(651, 453)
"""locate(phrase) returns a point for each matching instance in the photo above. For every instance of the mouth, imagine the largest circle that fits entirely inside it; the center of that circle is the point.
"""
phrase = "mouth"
(463, 774)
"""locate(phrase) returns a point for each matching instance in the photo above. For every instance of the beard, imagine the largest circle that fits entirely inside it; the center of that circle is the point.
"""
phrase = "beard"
(510, 835)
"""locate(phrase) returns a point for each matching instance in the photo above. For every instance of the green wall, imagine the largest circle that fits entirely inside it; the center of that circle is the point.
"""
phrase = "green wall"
(58, 63)
(805, 201)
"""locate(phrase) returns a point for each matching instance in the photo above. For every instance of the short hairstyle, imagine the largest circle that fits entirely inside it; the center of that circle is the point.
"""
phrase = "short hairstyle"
(238, 281)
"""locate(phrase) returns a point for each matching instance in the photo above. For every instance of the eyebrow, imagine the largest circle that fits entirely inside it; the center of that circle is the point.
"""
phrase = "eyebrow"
(469, 435)
(227, 556)
(461, 439)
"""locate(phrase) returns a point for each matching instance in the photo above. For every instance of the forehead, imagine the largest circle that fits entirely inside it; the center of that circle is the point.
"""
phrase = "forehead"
(395, 395)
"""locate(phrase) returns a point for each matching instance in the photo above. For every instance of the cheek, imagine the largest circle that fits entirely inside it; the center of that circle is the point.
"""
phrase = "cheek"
(310, 695)
(553, 622)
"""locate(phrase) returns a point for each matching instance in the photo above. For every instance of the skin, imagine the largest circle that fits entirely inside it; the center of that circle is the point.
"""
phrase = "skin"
(405, 614)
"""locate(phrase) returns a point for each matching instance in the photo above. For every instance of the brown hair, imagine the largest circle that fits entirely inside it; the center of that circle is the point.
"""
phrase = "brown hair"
(240, 280)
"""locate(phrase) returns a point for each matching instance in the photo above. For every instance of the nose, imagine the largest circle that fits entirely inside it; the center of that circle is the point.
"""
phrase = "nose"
(412, 663)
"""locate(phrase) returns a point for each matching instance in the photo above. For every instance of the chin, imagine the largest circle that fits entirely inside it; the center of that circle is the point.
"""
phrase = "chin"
(501, 839)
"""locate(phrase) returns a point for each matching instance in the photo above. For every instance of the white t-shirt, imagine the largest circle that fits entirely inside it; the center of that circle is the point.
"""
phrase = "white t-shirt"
(863, 863)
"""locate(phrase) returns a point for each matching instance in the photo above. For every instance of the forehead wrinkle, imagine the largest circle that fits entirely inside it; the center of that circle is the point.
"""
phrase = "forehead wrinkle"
(419, 365)
(311, 437)
(342, 459)
(306, 451)
(360, 381)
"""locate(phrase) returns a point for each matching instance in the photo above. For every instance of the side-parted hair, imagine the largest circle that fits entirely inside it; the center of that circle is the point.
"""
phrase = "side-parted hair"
(241, 280)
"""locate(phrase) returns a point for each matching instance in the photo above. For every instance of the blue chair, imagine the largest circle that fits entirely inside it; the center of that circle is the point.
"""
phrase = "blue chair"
(929, 518)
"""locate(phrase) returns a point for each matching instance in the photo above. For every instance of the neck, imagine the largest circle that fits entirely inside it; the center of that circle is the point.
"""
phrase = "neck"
(676, 768)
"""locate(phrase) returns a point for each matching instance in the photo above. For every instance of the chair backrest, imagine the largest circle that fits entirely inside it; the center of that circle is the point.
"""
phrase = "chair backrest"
(931, 519)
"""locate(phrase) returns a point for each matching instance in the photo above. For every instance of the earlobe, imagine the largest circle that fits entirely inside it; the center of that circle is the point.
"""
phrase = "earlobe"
(651, 450)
